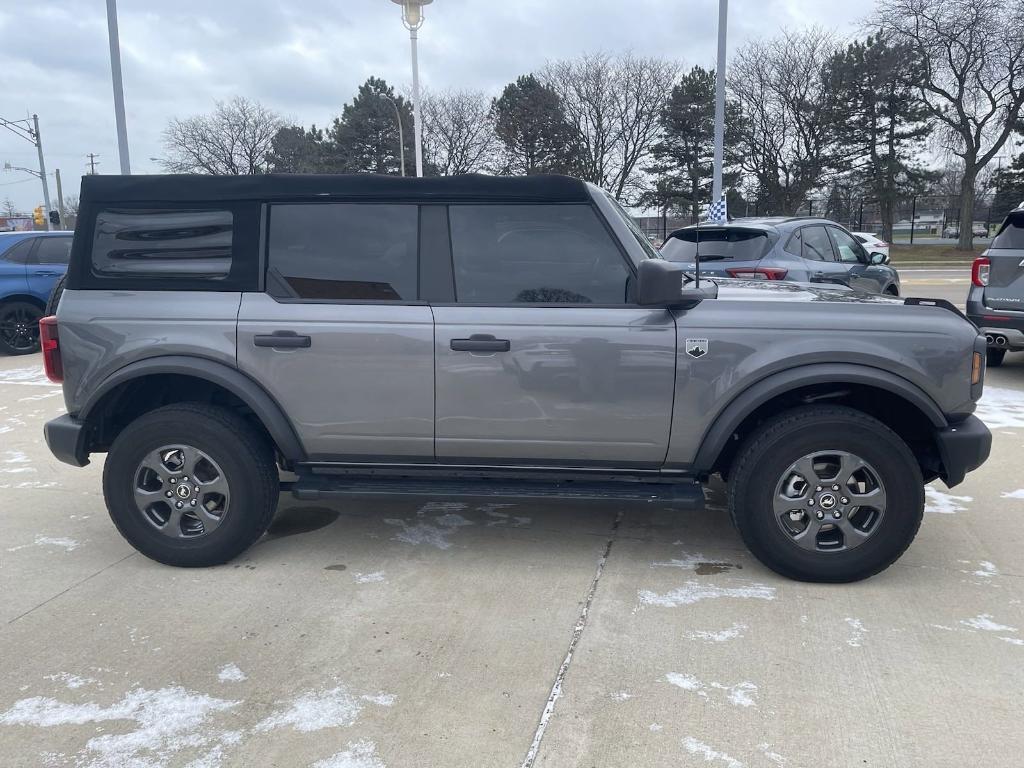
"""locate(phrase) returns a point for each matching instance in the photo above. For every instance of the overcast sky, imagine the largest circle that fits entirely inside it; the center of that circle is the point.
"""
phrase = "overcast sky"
(305, 58)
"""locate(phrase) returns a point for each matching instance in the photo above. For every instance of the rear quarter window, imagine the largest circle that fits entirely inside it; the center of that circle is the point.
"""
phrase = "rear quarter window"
(1012, 234)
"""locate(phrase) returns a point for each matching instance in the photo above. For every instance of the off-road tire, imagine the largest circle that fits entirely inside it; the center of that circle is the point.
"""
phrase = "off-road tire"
(244, 455)
(994, 357)
(764, 458)
(55, 294)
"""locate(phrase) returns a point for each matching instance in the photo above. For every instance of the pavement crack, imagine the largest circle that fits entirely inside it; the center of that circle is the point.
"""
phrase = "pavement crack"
(577, 633)
(78, 583)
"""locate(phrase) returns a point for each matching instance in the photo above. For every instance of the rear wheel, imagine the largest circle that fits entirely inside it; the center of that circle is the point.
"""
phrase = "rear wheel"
(55, 294)
(994, 357)
(191, 484)
(19, 327)
(826, 493)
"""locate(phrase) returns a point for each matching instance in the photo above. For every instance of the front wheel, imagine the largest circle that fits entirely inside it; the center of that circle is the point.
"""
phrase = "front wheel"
(191, 484)
(826, 493)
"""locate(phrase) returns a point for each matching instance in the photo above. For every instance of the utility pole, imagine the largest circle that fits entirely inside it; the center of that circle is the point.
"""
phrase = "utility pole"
(60, 201)
(42, 170)
(115, 76)
(92, 163)
(716, 184)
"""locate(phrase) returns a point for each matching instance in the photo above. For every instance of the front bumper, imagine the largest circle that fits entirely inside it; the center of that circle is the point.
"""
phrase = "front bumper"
(962, 447)
(65, 437)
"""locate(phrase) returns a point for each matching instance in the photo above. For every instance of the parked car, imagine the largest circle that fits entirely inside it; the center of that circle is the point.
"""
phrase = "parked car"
(978, 230)
(872, 243)
(995, 300)
(798, 249)
(30, 265)
(485, 336)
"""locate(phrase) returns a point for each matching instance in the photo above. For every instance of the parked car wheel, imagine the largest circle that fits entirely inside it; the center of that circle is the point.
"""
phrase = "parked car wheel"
(827, 494)
(19, 327)
(994, 357)
(191, 484)
(55, 294)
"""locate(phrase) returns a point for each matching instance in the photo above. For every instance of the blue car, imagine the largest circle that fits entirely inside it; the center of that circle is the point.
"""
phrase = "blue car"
(31, 263)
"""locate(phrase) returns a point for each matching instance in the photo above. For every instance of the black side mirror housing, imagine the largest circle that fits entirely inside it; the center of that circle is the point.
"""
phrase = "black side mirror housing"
(662, 283)
(877, 258)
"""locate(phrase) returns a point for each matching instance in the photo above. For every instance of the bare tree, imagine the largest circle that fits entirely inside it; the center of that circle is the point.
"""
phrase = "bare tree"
(614, 104)
(8, 207)
(233, 140)
(786, 134)
(973, 80)
(458, 132)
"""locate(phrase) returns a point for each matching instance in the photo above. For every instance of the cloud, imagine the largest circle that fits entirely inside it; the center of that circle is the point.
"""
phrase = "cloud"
(306, 59)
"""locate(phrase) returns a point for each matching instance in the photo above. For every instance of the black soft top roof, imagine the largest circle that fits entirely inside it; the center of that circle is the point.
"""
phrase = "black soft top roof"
(201, 188)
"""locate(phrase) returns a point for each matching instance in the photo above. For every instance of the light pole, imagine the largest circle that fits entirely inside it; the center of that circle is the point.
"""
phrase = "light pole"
(401, 134)
(716, 184)
(115, 76)
(412, 17)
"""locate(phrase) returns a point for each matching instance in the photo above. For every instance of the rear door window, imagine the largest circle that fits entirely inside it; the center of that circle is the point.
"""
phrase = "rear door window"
(716, 245)
(816, 244)
(343, 252)
(53, 250)
(155, 243)
(527, 254)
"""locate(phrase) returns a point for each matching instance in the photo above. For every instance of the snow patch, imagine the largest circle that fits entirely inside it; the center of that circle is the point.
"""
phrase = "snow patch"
(773, 757)
(230, 673)
(942, 503)
(1001, 408)
(361, 754)
(694, 591)
(315, 711)
(717, 636)
(1018, 494)
(380, 699)
(622, 696)
(655, 727)
(858, 632)
(984, 622)
(370, 578)
(32, 375)
(50, 541)
(740, 695)
(71, 681)
(167, 721)
(1013, 640)
(435, 533)
(710, 755)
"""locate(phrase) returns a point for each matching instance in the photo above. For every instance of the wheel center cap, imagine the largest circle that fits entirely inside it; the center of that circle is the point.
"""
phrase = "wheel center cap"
(183, 491)
(827, 501)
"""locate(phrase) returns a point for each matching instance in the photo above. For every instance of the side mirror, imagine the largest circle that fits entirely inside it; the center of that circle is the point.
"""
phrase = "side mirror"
(877, 258)
(665, 284)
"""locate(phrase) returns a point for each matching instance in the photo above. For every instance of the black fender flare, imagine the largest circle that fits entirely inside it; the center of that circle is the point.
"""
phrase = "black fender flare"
(716, 438)
(267, 409)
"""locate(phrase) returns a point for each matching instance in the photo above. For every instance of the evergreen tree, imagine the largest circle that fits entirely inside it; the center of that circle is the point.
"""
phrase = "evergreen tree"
(365, 137)
(881, 124)
(530, 123)
(297, 150)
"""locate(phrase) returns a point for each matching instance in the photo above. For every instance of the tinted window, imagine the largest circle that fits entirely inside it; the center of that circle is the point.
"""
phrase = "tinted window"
(343, 251)
(848, 248)
(162, 243)
(716, 245)
(507, 254)
(1013, 235)
(794, 244)
(53, 250)
(18, 253)
(816, 244)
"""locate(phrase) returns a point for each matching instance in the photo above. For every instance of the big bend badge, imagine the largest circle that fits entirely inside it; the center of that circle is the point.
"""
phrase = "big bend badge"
(696, 348)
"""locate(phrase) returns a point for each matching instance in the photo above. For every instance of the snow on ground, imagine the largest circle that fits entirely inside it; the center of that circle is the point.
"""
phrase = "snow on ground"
(942, 503)
(1001, 408)
(230, 673)
(362, 754)
(717, 636)
(694, 591)
(740, 694)
(63, 542)
(984, 622)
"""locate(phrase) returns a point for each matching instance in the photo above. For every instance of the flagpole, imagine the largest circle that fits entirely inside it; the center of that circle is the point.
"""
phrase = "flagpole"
(716, 184)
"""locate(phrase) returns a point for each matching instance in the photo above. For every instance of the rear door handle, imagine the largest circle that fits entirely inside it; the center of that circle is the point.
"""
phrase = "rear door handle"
(282, 340)
(45, 273)
(481, 342)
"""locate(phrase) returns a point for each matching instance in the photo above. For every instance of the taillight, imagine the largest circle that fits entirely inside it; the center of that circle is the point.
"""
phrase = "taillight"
(979, 271)
(757, 273)
(50, 342)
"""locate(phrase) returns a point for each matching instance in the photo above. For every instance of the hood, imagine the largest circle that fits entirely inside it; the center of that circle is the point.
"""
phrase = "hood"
(733, 289)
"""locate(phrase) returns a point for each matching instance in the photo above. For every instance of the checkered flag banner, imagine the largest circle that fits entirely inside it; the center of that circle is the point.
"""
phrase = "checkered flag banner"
(717, 212)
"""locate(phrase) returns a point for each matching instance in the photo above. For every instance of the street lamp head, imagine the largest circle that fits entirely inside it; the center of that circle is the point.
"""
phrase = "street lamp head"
(412, 12)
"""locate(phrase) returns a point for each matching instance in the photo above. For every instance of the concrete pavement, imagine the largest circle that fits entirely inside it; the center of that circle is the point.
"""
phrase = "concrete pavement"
(415, 633)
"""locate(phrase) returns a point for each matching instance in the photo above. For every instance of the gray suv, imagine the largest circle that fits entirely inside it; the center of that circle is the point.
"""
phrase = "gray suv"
(225, 338)
(995, 300)
(797, 249)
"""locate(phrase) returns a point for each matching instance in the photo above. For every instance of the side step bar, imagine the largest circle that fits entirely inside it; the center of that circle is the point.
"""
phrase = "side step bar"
(686, 493)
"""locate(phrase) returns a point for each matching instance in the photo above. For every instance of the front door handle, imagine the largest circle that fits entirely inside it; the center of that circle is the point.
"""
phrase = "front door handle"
(45, 273)
(282, 340)
(481, 342)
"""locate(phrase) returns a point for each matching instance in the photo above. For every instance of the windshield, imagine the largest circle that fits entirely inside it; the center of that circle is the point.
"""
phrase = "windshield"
(645, 244)
(716, 245)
